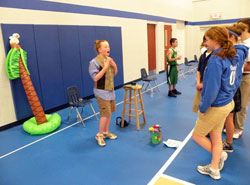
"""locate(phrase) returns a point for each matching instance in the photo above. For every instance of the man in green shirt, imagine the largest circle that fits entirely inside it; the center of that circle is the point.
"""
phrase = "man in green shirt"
(172, 68)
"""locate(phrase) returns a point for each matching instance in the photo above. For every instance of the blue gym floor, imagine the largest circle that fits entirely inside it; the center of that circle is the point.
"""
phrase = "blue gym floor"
(71, 156)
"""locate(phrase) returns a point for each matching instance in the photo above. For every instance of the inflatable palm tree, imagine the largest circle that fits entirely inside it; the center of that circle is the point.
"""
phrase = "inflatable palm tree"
(16, 66)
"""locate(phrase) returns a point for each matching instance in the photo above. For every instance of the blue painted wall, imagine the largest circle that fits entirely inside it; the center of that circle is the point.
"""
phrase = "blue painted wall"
(58, 57)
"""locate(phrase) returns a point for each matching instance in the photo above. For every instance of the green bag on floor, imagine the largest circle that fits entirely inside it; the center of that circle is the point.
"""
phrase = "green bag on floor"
(155, 137)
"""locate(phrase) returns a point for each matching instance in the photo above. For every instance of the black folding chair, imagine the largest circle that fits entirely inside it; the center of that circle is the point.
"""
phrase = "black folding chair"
(190, 66)
(147, 79)
(76, 101)
(195, 58)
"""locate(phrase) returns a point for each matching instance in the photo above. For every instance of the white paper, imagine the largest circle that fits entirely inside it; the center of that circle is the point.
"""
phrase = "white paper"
(172, 143)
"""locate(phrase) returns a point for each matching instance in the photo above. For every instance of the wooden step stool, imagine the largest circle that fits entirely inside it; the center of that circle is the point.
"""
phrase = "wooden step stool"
(133, 100)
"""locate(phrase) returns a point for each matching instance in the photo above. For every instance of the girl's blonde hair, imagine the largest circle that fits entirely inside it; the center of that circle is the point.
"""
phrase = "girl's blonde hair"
(220, 34)
(98, 44)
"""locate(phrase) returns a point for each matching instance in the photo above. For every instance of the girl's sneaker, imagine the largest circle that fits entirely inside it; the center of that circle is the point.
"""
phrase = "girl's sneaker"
(227, 147)
(100, 139)
(223, 158)
(207, 170)
(109, 135)
(237, 134)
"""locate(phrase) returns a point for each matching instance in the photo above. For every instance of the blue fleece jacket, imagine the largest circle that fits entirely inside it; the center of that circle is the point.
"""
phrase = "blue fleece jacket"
(221, 79)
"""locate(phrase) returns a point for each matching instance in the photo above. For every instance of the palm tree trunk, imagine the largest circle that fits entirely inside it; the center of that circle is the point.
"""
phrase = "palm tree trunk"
(33, 99)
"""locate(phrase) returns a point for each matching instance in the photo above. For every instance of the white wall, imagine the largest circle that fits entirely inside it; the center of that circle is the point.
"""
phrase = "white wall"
(7, 112)
(193, 39)
(179, 33)
(135, 49)
(202, 10)
(159, 39)
(176, 9)
(229, 9)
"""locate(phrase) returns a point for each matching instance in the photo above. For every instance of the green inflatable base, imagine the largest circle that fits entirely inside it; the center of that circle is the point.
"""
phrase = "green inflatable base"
(33, 128)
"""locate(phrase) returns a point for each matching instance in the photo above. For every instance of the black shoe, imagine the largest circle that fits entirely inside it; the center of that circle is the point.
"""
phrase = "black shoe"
(227, 147)
(176, 92)
(171, 94)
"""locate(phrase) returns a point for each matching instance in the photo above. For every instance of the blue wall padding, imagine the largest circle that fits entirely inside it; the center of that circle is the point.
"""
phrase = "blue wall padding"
(49, 64)
(58, 57)
(87, 39)
(70, 57)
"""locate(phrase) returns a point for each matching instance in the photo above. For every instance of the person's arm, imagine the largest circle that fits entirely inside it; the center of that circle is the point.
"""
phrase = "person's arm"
(247, 67)
(212, 87)
(113, 64)
(102, 72)
(202, 62)
(198, 77)
(247, 62)
(199, 84)
(169, 55)
(201, 59)
(94, 70)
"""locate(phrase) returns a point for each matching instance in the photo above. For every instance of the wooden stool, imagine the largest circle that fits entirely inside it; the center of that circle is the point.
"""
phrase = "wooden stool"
(132, 89)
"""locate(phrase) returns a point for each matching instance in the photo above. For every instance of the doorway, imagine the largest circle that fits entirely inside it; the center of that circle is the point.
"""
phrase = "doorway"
(151, 49)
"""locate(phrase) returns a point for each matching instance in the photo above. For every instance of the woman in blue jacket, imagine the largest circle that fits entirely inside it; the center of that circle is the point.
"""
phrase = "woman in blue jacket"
(219, 86)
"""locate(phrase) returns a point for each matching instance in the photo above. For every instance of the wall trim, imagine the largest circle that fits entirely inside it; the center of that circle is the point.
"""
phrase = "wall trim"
(162, 71)
(225, 21)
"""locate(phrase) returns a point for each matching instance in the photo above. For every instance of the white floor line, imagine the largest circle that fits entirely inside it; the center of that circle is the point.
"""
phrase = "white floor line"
(44, 137)
(36, 141)
(170, 160)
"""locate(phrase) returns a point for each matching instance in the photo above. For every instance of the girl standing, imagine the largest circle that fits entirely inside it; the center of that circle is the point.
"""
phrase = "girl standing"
(102, 69)
(218, 90)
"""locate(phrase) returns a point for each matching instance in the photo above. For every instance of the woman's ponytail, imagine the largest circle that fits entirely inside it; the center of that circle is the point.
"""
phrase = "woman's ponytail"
(227, 50)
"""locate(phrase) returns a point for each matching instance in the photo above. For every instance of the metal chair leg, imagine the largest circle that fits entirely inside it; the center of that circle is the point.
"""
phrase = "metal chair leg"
(147, 86)
(93, 110)
(181, 74)
(69, 114)
(151, 89)
(157, 85)
(82, 110)
(143, 85)
(80, 117)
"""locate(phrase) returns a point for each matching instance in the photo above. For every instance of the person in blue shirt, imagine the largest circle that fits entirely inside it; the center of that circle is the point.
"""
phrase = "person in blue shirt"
(102, 70)
(220, 83)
